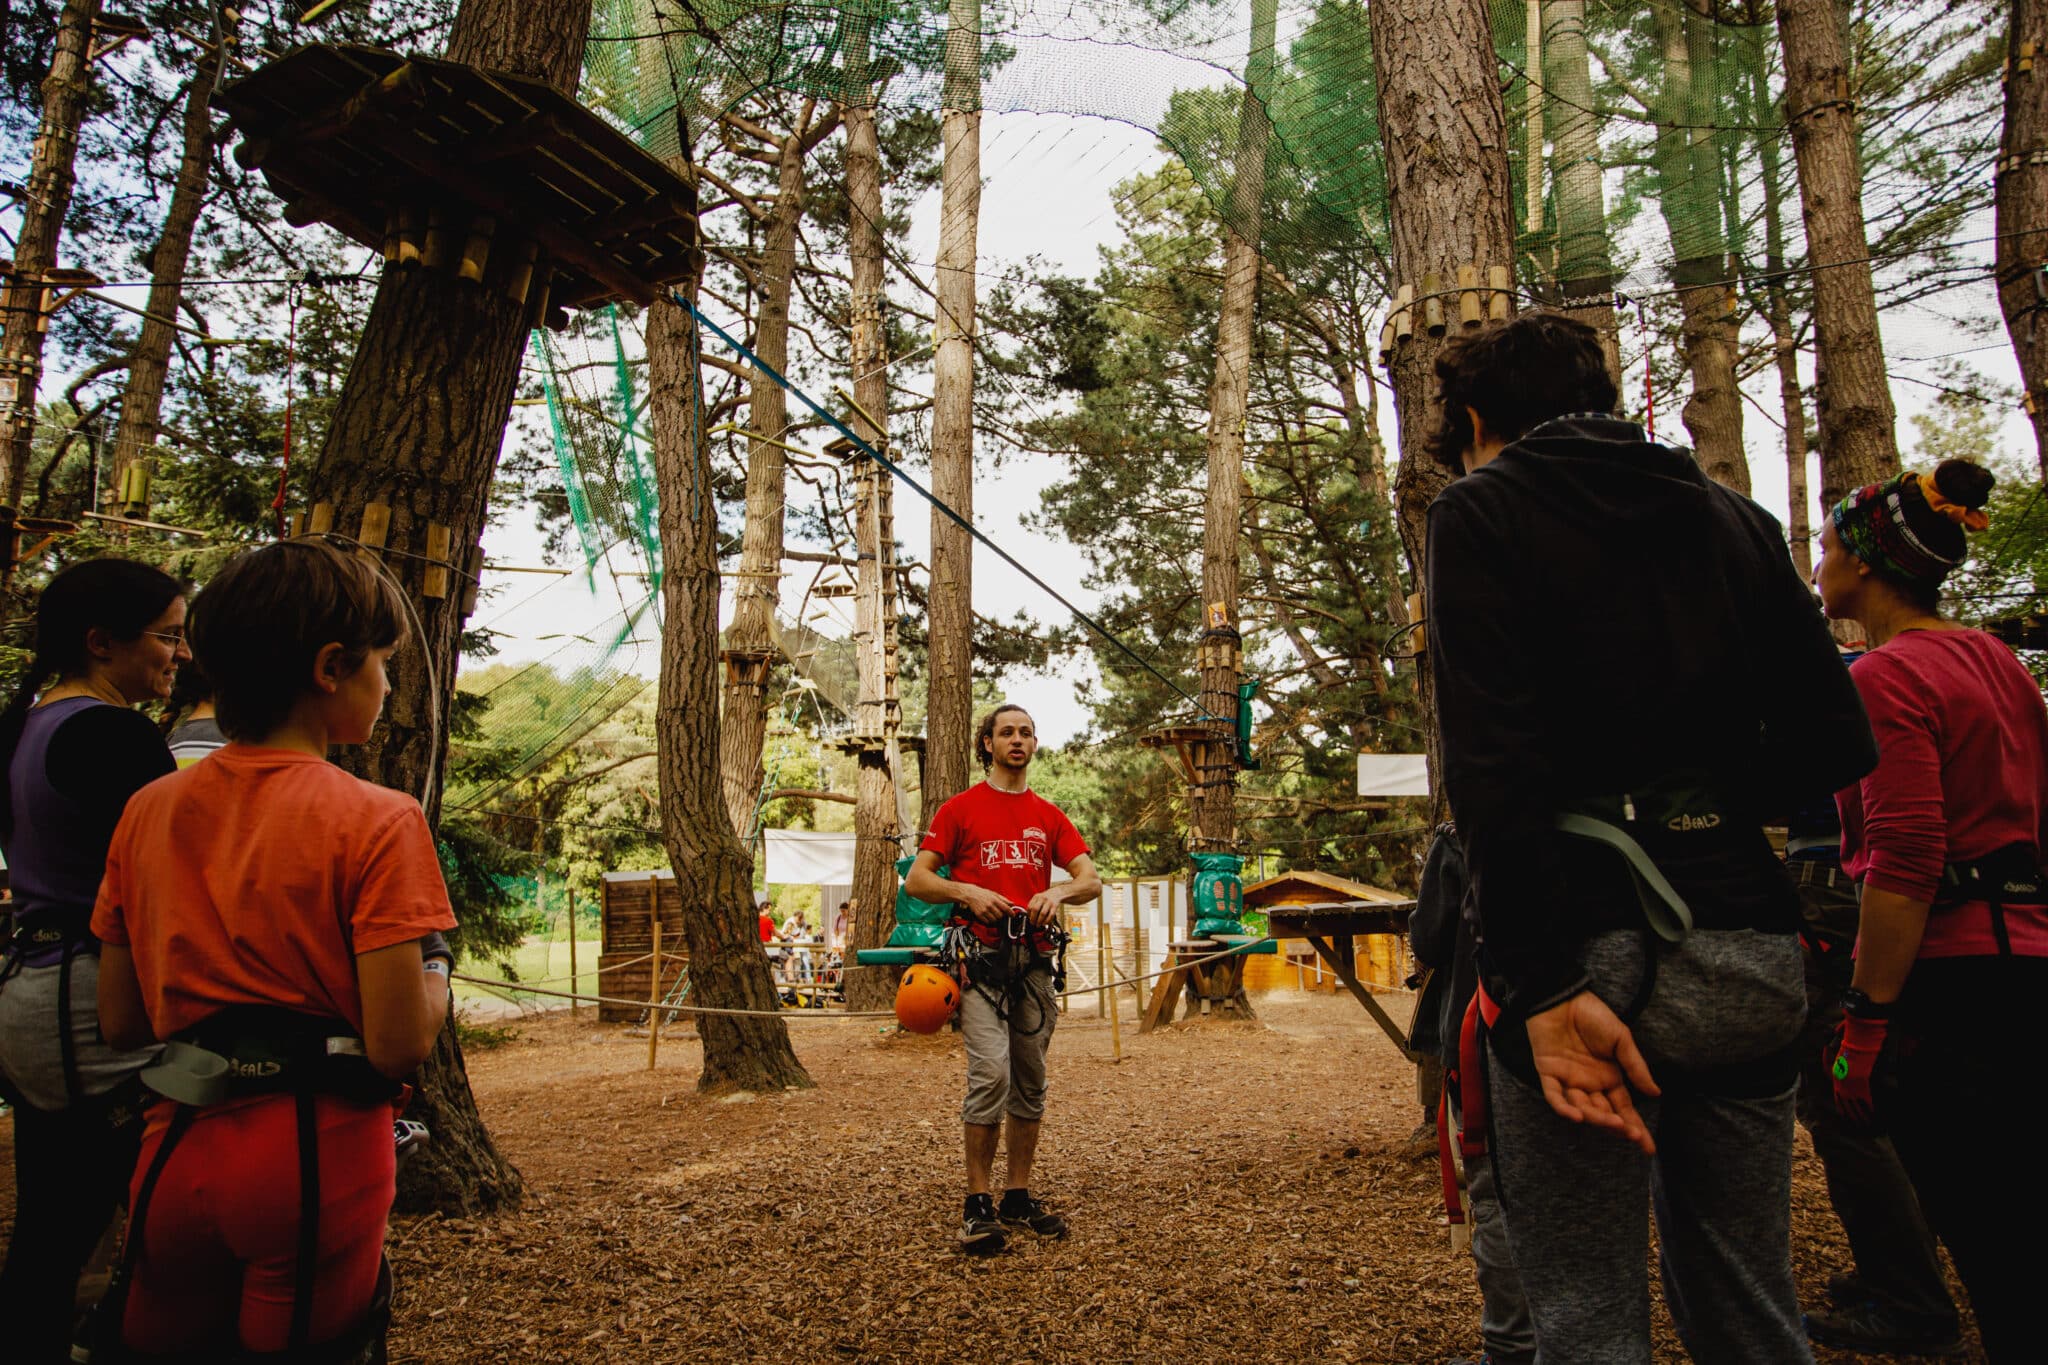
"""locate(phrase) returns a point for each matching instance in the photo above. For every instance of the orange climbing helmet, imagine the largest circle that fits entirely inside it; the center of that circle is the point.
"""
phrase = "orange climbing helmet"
(925, 999)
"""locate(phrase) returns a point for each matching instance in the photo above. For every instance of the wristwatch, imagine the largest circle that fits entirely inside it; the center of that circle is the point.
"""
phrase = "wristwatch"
(1860, 1006)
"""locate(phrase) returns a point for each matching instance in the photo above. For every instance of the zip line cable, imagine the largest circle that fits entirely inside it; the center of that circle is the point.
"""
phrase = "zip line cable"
(944, 508)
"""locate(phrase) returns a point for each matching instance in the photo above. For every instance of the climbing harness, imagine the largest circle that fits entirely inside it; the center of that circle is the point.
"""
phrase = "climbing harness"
(57, 937)
(1467, 1079)
(242, 1052)
(2012, 876)
(999, 972)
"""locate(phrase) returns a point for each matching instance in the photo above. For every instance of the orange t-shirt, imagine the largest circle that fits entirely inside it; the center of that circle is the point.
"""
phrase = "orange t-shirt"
(256, 877)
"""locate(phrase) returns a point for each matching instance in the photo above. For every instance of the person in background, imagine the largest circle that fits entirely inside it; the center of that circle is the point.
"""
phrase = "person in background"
(109, 636)
(766, 921)
(842, 925)
(1442, 937)
(195, 732)
(264, 903)
(795, 932)
(1943, 1032)
(1897, 1298)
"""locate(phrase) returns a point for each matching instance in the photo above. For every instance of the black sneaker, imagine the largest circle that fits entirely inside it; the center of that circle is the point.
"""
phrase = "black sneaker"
(1872, 1328)
(981, 1233)
(1846, 1290)
(1020, 1210)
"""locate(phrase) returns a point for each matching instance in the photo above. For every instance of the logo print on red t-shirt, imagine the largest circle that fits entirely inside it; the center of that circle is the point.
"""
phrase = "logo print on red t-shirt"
(1014, 852)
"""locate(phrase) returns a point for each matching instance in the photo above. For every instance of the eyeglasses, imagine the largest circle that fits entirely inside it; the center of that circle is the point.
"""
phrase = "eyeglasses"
(174, 638)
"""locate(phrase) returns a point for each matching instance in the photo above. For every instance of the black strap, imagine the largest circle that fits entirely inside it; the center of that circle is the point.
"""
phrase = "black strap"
(67, 1045)
(307, 1269)
(138, 1212)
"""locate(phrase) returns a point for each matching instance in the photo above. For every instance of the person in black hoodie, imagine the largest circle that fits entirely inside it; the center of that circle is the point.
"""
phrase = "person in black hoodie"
(1628, 673)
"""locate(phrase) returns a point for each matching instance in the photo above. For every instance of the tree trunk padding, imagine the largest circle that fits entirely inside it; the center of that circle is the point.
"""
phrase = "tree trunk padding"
(728, 970)
(1443, 132)
(1859, 441)
(2021, 196)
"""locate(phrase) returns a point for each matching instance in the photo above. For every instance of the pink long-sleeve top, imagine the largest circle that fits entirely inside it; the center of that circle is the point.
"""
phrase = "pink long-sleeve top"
(1962, 772)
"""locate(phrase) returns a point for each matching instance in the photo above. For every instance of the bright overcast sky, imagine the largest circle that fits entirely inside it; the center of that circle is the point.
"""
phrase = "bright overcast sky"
(1048, 195)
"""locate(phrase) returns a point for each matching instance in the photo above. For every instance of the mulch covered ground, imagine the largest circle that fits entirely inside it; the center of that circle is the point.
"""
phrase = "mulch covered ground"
(1238, 1192)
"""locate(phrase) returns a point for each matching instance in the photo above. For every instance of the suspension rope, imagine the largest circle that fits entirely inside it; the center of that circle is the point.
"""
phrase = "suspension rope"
(962, 522)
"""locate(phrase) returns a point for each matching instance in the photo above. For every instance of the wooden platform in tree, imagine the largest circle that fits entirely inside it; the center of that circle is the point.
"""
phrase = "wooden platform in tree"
(2028, 630)
(419, 157)
(1182, 738)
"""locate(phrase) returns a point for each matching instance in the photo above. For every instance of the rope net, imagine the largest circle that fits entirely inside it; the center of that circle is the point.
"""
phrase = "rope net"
(1646, 141)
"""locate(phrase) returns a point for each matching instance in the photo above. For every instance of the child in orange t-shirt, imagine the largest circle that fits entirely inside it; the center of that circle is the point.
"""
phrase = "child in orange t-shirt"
(267, 879)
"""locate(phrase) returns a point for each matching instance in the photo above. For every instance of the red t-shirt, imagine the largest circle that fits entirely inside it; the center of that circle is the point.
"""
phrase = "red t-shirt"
(1006, 842)
(1962, 771)
(257, 877)
(767, 927)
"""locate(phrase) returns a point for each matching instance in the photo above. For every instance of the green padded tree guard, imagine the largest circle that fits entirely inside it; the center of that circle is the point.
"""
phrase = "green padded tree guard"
(1219, 895)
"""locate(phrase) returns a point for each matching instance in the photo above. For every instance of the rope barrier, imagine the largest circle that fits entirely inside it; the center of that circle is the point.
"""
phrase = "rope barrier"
(846, 1014)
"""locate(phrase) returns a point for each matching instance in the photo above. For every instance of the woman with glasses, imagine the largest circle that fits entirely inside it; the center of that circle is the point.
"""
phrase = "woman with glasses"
(109, 636)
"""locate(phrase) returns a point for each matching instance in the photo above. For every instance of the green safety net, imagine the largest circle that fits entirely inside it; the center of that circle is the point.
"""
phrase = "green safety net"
(1685, 102)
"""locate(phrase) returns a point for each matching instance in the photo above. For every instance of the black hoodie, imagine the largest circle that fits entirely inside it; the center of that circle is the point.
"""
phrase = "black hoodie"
(1600, 616)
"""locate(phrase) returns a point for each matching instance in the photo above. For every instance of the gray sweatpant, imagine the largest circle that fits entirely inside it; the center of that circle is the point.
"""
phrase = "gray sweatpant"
(1006, 1057)
(1506, 1330)
(1720, 1185)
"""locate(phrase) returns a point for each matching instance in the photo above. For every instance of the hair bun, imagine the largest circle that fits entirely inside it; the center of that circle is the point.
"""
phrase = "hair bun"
(1965, 483)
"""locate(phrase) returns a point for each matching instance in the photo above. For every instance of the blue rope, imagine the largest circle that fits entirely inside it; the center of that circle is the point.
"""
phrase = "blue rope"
(962, 522)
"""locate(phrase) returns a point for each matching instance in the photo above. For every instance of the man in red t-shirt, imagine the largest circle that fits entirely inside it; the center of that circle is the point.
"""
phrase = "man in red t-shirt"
(1002, 841)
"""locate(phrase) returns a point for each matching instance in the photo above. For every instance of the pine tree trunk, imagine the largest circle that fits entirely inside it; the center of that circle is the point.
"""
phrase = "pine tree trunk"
(2022, 203)
(50, 180)
(949, 711)
(750, 639)
(1689, 179)
(1859, 441)
(417, 428)
(1784, 344)
(142, 399)
(1585, 270)
(728, 970)
(1215, 807)
(875, 830)
(1444, 135)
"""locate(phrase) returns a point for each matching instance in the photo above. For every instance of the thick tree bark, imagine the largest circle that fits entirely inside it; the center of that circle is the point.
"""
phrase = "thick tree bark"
(1585, 270)
(728, 970)
(50, 180)
(1444, 134)
(2022, 204)
(142, 399)
(417, 429)
(1215, 807)
(1859, 441)
(949, 710)
(750, 639)
(876, 830)
(1689, 181)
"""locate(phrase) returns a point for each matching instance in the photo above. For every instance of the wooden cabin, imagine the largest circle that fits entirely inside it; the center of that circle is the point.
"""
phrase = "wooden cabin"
(629, 902)
(1384, 961)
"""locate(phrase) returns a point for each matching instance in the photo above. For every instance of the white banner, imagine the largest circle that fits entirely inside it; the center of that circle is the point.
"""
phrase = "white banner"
(806, 857)
(1393, 774)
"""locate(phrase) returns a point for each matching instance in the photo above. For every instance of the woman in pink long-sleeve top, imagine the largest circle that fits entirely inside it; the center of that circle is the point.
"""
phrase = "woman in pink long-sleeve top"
(1944, 1039)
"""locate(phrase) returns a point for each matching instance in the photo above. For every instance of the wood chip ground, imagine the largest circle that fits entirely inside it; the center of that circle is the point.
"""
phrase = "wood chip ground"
(1238, 1192)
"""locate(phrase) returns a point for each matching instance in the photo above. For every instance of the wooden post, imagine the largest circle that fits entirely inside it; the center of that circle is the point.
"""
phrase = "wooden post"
(654, 999)
(1105, 999)
(575, 979)
(1137, 948)
(1116, 1020)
